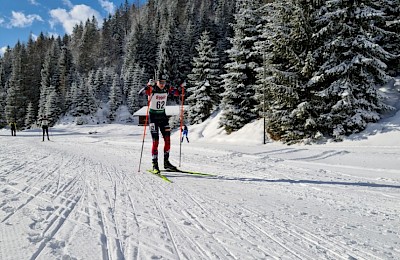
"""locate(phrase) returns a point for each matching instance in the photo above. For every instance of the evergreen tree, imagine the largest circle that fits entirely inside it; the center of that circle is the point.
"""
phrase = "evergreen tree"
(348, 65)
(33, 67)
(115, 98)
(81, 100)
(149, 41)
(15, 101)
(5, 72)
(30, 117)
(238, 102)
(204, 81)
(389, 37)
(66, 69)
(71, 98)
(88, 48)
(54, 105)
(108, 76)
(138, 80)
(98, 85)
(118, 39)
(3, 95)
(5, 67)
(282, 95)
(50, 77)
(168, 54)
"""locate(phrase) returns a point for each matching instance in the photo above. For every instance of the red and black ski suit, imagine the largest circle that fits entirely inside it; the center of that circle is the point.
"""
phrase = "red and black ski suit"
(158, 119)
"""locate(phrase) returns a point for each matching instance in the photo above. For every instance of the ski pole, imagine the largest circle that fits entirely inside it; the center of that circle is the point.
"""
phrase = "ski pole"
(144, 131)
(183, 85)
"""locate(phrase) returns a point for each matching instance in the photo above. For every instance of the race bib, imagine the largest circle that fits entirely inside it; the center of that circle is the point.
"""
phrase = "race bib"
(158, 101)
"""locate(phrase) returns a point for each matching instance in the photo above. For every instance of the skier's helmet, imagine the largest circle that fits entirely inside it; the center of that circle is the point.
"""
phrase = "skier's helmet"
(161, 81)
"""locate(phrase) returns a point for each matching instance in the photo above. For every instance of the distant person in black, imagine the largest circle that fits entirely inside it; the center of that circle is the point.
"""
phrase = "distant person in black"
(13, 126)
(45, 127)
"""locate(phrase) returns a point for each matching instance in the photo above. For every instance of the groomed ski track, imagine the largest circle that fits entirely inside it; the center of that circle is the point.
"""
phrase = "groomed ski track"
(81, 197)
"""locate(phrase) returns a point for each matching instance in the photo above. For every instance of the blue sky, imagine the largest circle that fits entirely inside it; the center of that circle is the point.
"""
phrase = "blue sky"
(20, 18)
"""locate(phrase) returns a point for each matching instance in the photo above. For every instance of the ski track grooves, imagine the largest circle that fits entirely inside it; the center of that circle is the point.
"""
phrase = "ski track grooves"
(61, 221)
(29, 187)
(319, 241)
(333, 248)
(127, 224)
(261, 230)
(221, 218)
(161, 213)
(130, 215)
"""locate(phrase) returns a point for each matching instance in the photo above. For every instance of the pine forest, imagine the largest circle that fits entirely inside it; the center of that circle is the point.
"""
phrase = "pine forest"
(313, 69)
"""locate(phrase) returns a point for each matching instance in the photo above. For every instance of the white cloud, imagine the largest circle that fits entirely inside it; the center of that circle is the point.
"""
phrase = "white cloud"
(1, 21)
(3, 50)
(19, 19)
(68, 19)
(33, 2)
(68, 3)
(108, 6)
(33, 36)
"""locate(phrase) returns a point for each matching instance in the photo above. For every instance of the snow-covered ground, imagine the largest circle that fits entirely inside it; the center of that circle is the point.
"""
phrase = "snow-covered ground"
(80, 196)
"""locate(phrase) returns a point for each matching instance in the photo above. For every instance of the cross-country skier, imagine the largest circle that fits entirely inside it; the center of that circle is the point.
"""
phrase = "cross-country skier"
(45, 127)
(13, 126)
(158, 94)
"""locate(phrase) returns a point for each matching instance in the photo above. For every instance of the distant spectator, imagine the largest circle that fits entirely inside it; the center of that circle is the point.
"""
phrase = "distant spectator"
(13, 126)
(185, 132)
(45, 127)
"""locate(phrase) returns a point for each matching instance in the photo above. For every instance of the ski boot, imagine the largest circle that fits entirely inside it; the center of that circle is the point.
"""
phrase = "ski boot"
(156, 170)
(167, 164)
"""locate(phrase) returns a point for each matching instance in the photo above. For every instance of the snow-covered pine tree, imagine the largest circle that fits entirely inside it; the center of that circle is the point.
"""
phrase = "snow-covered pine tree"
(66, 69)
(115, 98)
(126, 81)
(98, 85)
(88, 48)
(54, 105)
(389, 38)
(70, 101)
(15, 101)
(167, 53)
(108, 75)
(137, 82)
(187, 47)
(33, 67)
(50, 76)
(224, 16)
(204, 81)
(5, 72)
(91, 79)
(136, 51)
(94, 83)
(30, 117)
(3, 95)
(240, 81)
(82, 102)
(348, 67)
(5, 66)
(282, 96)
(149, 42)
